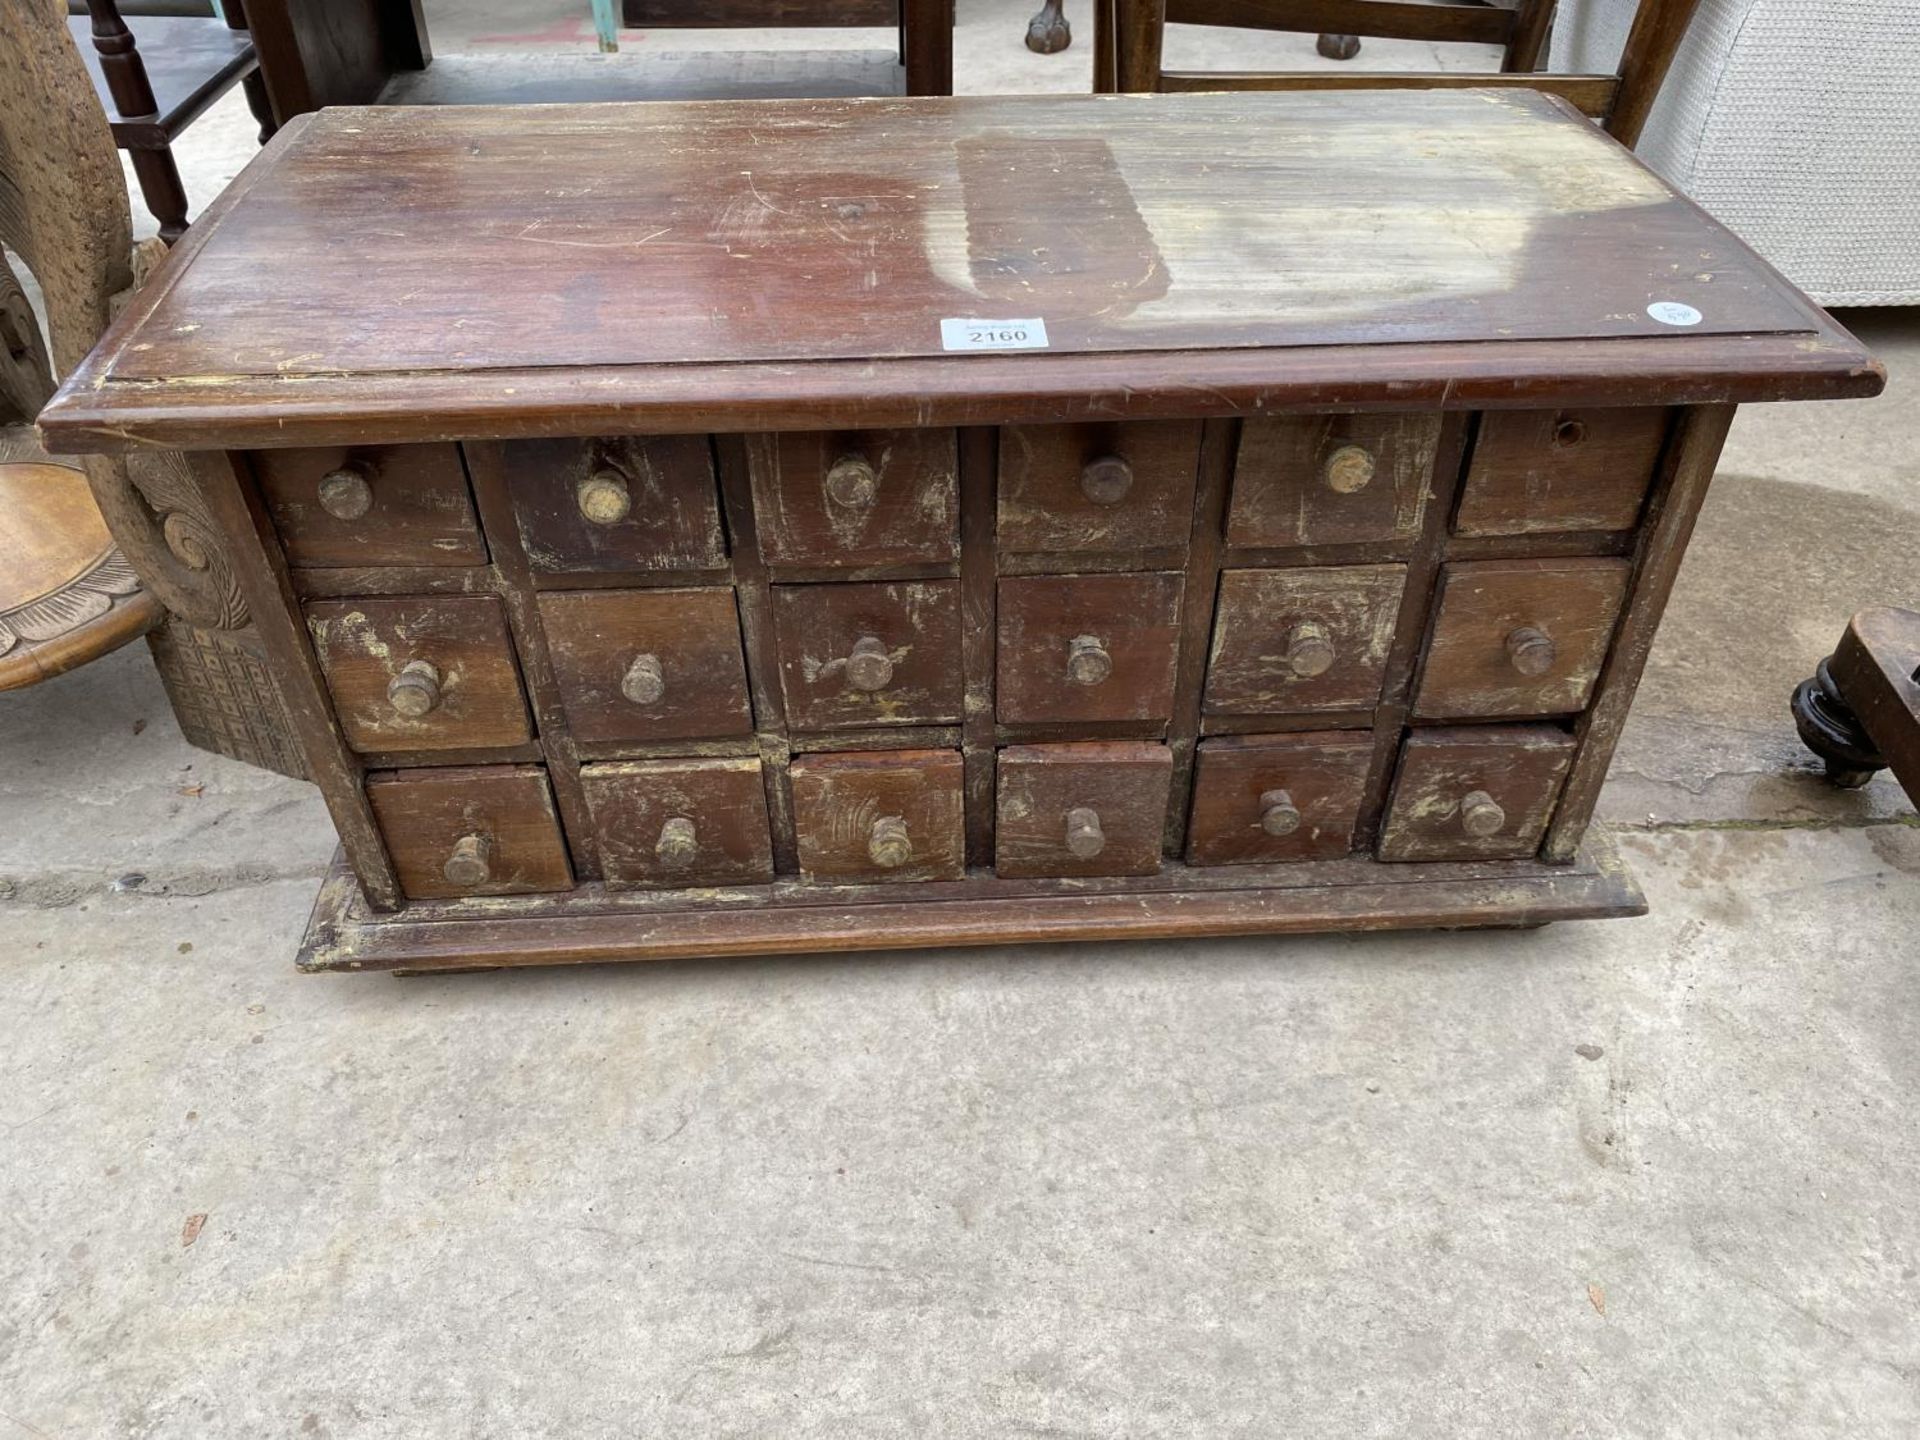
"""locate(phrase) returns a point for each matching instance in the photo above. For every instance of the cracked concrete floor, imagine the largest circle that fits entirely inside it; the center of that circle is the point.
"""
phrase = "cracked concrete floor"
(1648, 1177)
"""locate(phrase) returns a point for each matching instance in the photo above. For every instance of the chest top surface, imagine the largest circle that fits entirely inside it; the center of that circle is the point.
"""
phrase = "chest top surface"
(367, 252)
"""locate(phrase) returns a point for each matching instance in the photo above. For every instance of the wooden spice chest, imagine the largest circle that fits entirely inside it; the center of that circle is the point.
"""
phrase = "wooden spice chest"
(743, 528)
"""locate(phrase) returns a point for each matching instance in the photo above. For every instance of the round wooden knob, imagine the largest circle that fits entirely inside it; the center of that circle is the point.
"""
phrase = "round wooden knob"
(852, 482)
(1530, 650)
(1349, 469)
(678, 844)
(1088, 662)
(603, 497)
(645, 682)
(869, 664)
(1107, 480)
(1480, 816)
(416, 689)
(1278, 814)
(1085, 839)
(887, 843)
(470, 863)
(345, 493)
(1310, 650)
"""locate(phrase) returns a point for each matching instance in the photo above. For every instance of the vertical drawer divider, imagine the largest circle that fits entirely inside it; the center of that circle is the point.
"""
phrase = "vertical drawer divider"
(1219, 440)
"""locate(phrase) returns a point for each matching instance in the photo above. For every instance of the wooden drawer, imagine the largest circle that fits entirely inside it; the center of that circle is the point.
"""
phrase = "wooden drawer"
(1302, 640)
(1542, 471)
(420, 672)
(1259, 799)
(646, 503)
(664, 823)
(1087, 809)
(855, 497)
(472, 830)
(648, 664)
(1519, 637)
(1331, 479)
(361, 505)
(1474, 792)
(1100, 486)
(1087, 647)
(880, 815)
(879, 654)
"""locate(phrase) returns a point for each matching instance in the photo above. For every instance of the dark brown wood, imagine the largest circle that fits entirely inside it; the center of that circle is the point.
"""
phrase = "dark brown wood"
(1652, 45)
(1387, 19)
(1592, 95)
(420, 673)
(1302, 639)
(754, 14)
(885, 816)
(1095, 808)
(1549, 471)
(1481, 792)
(641, 665)
(644, 503)
(926, 46)
(342, 506)
(1331, 479)
(315, 53)
(979, 626)
(1087, 647)
(1519, 637)
(874, 654)
(1260, 799)
(1874, 673)
(471, 830)
(1068, 488)
(675, 823)
(873, 497)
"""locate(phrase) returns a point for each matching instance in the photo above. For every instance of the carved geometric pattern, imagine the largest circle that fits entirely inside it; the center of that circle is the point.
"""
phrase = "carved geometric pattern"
(224, 697)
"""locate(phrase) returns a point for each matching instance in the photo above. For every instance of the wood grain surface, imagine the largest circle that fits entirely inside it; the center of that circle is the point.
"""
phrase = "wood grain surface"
(673, 517)
(1285, 494)
(1116, 790)
(917, 627)
(910, 513)
(840, 801)
(722, 802)
(1544, 471)
(1132, 619)
(1518, 767)
(418, 510)
(1323, 777)
(425, 814)
(1260, 624)
(1048, 503)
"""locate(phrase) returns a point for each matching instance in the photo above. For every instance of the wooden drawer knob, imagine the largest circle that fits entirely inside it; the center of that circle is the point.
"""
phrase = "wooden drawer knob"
(603, 497)
(852, 482)
(1530, 650)
(470, 864)
(1085, 839)
(869, 664)
(1278, 814)
(1310, 650)
(345, 493)
(1481, 816)
(678, 845)
(1349, 470)
(1107, 480)
(416, 689)
(1088, 662)
(887, 843)
(645, 682)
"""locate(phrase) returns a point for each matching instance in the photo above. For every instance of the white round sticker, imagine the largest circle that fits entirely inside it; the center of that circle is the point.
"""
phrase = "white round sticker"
(1672, 312)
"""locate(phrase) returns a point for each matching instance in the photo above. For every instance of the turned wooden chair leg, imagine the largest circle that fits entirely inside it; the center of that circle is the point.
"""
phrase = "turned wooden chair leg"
(1338, 47)
(259, 104)
(1048, 32)
(161, 188)
(1860, 713)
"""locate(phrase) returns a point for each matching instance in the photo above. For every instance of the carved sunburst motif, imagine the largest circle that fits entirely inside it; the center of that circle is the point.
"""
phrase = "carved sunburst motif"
(86, 597)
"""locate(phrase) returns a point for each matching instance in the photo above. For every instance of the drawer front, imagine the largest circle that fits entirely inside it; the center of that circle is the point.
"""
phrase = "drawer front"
(420, 672)
(880, 654)
(1546, 471)
(472, 830)
(1331, 479)
(1302, 640)
(1474, 793)
(1262, 799)
(1519, 637)
(371, 505)
(648, 664)
(646, 503)
(1087, 647)
(1103, 486)
(1081, 810)
(894, 815)
(856, 497)
(663, 823)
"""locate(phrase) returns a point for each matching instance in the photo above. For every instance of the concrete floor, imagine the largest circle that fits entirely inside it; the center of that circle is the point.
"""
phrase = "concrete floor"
(1649, 1177)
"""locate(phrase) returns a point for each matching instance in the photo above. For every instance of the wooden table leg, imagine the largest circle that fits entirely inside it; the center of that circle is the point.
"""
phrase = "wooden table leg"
(1048, 32)
(926, 43)
(1860, 712)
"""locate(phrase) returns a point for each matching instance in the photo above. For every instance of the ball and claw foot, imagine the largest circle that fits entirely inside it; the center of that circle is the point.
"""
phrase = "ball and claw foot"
(1338, 47)
(1828, 728)
(1047, 32)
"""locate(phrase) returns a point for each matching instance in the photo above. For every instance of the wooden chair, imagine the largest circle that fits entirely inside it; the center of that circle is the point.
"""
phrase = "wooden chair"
(151, 95)
(1128, 38)
(1860, 713)
(67, 595)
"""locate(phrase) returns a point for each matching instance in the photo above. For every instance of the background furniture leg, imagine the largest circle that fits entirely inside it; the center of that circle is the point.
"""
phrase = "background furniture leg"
(1048, 32)
(161, 188)
(1338, 47)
